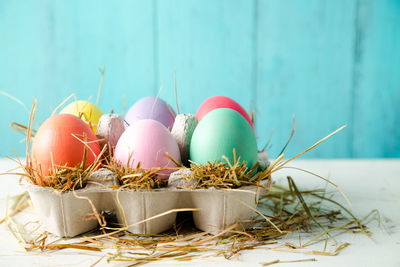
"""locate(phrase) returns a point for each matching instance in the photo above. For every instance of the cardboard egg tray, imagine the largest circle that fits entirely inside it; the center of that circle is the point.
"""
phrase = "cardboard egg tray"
(66, 214)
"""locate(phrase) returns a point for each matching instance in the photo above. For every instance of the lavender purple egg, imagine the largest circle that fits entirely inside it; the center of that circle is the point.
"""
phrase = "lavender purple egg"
(151, 108)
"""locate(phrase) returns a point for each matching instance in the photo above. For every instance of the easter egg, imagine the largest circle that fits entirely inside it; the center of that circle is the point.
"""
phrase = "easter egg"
(151, 108)
(54, 143)
(109, 130)
(147, 141)
(182, 131)
(218, 133)
(220, 101)
(87, 111)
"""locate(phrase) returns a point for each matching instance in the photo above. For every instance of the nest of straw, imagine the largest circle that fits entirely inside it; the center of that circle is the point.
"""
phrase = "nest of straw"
(224, 175)
(136, 178)
(217, 175)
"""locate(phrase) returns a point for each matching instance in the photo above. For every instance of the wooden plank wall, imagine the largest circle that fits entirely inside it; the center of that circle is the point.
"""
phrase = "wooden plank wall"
(328, 62)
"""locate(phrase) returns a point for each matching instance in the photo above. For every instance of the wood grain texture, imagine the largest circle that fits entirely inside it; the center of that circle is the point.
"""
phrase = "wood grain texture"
(376, 104)
(51, 49)
(305, 68)
(327, 62)
(210, 45)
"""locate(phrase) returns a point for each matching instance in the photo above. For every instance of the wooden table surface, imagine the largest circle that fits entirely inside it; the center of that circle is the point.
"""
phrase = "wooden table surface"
(370, 184)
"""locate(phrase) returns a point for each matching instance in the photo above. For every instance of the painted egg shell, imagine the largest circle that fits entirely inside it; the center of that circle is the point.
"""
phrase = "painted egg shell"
(151, 108)
(218, 133)
(90, 112)
(147, 141)
(220, 101)
(55, 142)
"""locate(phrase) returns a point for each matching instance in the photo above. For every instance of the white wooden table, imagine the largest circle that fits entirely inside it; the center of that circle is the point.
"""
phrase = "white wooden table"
(370, 184)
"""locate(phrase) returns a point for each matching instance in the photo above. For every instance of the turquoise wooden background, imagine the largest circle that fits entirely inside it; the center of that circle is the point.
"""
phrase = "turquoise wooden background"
(328, 62)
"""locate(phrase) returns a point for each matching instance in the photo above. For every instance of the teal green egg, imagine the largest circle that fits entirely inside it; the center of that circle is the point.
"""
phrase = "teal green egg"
(218, 133)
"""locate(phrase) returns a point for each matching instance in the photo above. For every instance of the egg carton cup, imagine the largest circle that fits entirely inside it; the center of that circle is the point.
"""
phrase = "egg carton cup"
(69, 214)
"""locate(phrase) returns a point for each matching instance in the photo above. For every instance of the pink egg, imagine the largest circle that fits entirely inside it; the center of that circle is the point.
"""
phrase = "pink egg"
(220, 101)
(147, 141)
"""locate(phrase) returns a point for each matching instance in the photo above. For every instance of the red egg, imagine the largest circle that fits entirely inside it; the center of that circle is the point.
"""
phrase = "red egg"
(220, 101)
(54, 143)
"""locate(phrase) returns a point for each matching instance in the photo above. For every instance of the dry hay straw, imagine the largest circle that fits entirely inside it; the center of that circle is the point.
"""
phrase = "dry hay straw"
(293, 211)
(224, 175)
(136, 178)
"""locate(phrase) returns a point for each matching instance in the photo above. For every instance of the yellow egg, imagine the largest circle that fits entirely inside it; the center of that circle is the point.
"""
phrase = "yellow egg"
(87, 111)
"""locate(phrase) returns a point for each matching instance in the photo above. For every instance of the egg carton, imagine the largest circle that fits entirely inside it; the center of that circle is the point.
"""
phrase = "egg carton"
(70, 213)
